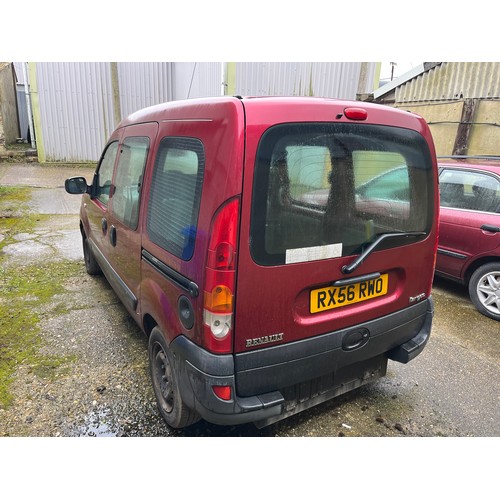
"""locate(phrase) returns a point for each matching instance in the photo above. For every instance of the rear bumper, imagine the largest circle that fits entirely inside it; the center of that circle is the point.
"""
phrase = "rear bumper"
(198, 371)
(264, 382)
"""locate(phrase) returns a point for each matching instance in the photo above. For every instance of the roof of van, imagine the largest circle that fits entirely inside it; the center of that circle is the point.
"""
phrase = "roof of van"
(197, 108)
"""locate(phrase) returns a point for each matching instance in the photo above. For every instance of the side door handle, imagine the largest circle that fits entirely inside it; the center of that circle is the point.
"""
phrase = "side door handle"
(490, 228)
(104, 226)
(112, 235)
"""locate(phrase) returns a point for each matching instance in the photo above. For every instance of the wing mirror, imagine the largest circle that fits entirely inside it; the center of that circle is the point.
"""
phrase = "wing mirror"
(76, 185)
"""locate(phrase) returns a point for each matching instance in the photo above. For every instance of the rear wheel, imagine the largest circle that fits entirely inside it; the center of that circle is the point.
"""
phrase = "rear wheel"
(484, 289)
(165, 385)
(91, 264)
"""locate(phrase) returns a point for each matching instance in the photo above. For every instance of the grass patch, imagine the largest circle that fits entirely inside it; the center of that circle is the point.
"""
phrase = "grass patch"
(26, 295)
(14, 196)
(14, 215)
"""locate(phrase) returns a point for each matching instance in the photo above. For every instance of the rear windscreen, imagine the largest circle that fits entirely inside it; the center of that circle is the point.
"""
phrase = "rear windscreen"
(337, 187)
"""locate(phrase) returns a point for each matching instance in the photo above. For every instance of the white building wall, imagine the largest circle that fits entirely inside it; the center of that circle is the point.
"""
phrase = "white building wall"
(196, 79)
(143, 84)
(319, 79)
(76, 109)
(77, 100)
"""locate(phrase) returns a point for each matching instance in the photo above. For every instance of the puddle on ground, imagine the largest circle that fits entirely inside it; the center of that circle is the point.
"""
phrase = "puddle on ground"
(99, 423)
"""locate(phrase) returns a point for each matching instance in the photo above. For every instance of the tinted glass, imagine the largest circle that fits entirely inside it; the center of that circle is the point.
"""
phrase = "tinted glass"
(318, 185)
(175, 195)
(466, 189)
(133, 154)
(102, 182)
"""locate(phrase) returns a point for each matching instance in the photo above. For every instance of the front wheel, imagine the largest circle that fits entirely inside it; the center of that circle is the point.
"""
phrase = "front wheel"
(91, 264)
(484, 289)
(165, 385)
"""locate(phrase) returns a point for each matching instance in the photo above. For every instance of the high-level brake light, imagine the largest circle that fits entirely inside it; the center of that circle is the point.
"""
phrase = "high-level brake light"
(356, 113)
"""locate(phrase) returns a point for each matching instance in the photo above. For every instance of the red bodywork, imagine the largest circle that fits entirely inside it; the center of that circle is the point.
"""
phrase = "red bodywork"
(277, 341)
(463, 244)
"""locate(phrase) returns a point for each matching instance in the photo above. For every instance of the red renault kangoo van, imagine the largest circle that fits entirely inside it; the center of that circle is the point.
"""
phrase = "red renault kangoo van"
(276, 251)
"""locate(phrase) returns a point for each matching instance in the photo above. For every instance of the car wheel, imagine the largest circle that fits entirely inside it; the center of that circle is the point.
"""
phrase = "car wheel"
(91, 264)
(484, 289)
(175, 413)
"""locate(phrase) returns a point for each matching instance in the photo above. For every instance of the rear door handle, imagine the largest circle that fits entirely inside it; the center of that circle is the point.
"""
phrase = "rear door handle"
(112, 235)
(490, 228)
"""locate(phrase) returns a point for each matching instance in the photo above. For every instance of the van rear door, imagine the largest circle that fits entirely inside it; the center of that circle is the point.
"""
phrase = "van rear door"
(338, 222)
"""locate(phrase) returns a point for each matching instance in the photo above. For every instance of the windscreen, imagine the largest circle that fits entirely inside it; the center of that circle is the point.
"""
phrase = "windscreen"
(336, 187)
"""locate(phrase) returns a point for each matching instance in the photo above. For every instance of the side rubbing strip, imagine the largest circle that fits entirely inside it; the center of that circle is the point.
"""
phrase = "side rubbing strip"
(456, 255)
(170, 274)
(120, 287)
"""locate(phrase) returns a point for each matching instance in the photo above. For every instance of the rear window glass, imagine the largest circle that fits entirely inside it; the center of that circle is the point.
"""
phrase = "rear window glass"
(337, 187)
(174, 199)
(469, 190)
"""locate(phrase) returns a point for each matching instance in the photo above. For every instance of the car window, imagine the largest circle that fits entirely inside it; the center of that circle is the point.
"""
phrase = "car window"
(390, 185)
(305, 170)
(466, 189)
(174, 200)
(104, 175)
(133, 154)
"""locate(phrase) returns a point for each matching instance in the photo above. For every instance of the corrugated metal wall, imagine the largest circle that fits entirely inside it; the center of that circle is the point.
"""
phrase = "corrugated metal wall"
(320, 79)
(80, 103)
(144, 84)
(453, 80)
(440, 96)
(77, 105)
(76, 109)
(196, 79)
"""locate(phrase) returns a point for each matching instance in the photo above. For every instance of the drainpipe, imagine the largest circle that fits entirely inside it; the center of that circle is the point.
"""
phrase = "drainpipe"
(115, 85)
(28, 105)
(223, 78)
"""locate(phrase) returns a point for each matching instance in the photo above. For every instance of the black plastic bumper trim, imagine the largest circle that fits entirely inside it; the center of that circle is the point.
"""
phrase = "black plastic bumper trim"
(198, 371)
(266, 372)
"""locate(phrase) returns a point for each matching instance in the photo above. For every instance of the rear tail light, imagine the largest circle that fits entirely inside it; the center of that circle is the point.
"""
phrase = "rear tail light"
(220, 280)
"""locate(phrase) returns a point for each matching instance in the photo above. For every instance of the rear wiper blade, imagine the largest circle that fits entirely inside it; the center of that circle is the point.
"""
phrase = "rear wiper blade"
(374, 244)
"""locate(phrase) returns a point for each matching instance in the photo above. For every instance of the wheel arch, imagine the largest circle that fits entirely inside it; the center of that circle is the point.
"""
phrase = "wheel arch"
(148, 324)
(476, 265)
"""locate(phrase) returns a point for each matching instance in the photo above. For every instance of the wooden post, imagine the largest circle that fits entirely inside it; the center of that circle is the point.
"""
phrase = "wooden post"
(461, 146)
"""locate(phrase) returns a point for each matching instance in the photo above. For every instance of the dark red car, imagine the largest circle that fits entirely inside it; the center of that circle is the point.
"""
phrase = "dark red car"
(469, 230)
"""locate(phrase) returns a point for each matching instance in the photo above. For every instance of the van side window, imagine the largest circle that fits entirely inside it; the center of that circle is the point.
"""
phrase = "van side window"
(125, 204)
(104, 174)
(174, 199)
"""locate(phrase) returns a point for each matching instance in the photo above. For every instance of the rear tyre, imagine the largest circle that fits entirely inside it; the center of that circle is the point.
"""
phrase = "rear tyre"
(173, 410)
(91, 264)
(484, 289)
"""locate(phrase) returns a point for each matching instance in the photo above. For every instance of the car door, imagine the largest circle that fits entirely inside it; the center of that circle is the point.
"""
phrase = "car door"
(469, 218)
(96, 205)
(124, 234)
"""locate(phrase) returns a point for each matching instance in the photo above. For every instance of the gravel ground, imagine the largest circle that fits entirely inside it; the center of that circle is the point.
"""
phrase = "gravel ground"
(104, 388)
